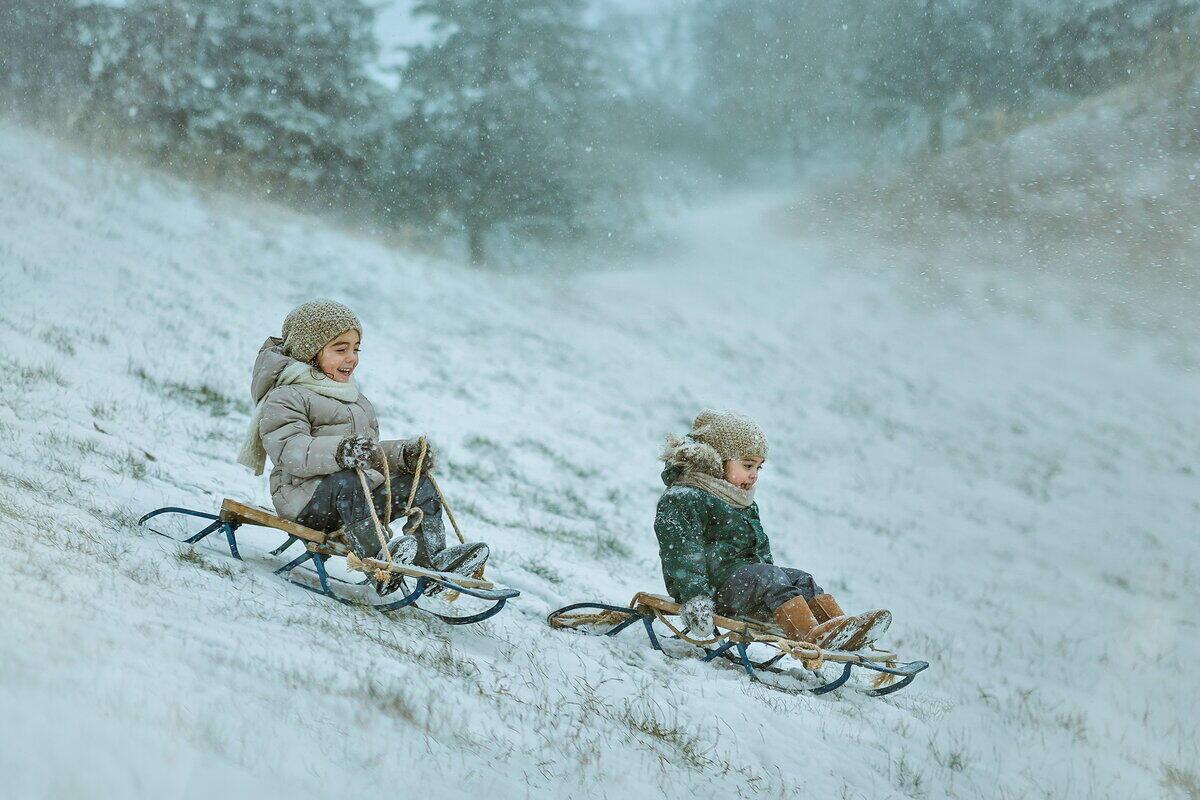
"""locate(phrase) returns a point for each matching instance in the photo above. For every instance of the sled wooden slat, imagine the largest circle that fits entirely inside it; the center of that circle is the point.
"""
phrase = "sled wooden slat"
(233, 511)
(668, 606)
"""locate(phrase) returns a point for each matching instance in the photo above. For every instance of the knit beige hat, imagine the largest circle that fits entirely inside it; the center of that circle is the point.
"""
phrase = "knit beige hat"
(731, 434)
(716, 437)
(309, 327)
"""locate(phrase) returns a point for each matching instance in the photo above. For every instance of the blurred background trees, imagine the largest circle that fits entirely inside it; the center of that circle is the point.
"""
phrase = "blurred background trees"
(555, 118)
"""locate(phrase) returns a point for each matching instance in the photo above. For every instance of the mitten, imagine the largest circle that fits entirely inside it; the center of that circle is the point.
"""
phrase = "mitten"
(697, 615)
(355, 452)
(411, 451)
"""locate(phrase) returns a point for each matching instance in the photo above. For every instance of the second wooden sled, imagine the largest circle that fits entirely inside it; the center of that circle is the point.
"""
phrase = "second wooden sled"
(734, 638)
(319, 547)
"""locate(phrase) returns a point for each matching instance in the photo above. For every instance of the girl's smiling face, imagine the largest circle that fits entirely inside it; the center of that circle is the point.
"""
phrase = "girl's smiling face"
(743, 472)
(339, 358)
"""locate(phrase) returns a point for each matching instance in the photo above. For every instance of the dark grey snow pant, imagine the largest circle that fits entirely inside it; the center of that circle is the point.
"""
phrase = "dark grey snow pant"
(756, 590)
(339, 503)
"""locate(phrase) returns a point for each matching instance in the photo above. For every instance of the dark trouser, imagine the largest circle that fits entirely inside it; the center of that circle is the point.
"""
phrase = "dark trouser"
(756, 590)
(339, 503)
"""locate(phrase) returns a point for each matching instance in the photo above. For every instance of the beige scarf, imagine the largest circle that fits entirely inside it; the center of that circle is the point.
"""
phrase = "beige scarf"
(719, 487)
(252, 454)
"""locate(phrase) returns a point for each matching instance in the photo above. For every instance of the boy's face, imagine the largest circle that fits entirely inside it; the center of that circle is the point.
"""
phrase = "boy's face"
(743, 472)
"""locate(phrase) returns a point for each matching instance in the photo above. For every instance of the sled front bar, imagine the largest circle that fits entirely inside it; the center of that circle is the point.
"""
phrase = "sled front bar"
(459, 583)
(741, 636)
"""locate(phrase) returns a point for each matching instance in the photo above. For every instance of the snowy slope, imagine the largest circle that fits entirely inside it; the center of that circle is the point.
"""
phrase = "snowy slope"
(1105, 191)
(1013, 478)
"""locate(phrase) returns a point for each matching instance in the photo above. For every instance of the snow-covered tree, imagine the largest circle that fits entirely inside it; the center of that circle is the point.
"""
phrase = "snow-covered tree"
(756, 73)
(938, 53)
(276, 84)
(500, 99)
(1082, 49)
(32, 47)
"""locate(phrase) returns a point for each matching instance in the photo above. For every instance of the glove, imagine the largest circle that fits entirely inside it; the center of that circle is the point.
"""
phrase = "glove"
(355, 452)
(410, 451)
(697, 615)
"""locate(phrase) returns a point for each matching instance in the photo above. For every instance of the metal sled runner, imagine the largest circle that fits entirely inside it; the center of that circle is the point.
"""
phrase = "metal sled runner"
(319, 547)
(734, 638)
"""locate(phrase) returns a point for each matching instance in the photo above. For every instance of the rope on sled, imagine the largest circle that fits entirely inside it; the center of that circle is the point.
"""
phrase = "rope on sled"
(572, 621)
(808, 654)
(382, 575)
(883, 678)
(681, 635)
(416, 479)
(409, 512)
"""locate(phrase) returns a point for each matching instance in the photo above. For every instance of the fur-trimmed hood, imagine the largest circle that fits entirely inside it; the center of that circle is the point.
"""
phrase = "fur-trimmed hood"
(685, 454)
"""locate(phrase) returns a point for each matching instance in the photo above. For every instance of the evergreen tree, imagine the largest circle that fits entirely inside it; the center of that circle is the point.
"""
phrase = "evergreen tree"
(946, 52)
(31, 48)
(278, 84)
(755, 74)
(498, 131)
(778, 76)
(1080, 51)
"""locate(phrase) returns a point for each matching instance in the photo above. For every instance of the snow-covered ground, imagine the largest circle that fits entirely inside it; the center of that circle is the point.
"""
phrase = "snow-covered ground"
(1012, 475)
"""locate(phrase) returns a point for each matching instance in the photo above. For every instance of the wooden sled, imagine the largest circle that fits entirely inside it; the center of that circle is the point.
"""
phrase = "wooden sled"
(319, 547)
(734, 638)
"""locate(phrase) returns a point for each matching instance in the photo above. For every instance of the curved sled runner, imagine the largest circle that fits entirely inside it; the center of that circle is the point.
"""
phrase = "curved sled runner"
(733, 639)
(319, 547)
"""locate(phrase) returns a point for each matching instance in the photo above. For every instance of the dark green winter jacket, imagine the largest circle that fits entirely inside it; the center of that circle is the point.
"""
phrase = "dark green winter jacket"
(701, 538)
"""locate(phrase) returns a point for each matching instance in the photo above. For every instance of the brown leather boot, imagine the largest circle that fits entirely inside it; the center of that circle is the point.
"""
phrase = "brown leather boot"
(825, 608)
(864, 629)
(795, 618)
(800, 624)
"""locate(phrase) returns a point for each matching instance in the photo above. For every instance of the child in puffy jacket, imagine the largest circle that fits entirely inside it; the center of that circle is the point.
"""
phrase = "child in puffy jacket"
(319, 429)
(715, 555)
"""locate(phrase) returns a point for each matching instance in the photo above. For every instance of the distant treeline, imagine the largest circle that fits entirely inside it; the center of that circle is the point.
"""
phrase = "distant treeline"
(543, 117)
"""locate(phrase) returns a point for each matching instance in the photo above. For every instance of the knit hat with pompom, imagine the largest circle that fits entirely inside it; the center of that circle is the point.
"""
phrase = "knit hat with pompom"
(309, 327)
(716, 437)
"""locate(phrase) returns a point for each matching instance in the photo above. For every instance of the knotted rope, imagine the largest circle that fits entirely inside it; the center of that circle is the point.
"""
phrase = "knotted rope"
(410, 511)
(382, 575)
(808, 654)
(681, 635)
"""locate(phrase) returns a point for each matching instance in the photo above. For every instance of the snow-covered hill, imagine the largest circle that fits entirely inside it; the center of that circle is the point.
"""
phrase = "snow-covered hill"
(1015, 479)
(1105, 191)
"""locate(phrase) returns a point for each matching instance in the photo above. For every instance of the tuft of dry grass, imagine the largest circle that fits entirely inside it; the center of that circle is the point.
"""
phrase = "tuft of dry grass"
(1183, 781)
(190, 555)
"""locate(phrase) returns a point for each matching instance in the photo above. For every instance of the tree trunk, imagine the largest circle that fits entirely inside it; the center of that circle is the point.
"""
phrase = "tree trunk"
(475, 247)
(935, 133)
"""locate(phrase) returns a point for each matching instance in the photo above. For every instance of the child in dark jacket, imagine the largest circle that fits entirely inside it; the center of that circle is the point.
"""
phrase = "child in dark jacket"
(715, 555)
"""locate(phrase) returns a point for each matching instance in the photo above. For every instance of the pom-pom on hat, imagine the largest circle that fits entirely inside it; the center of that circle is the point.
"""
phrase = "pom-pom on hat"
(311, 326)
